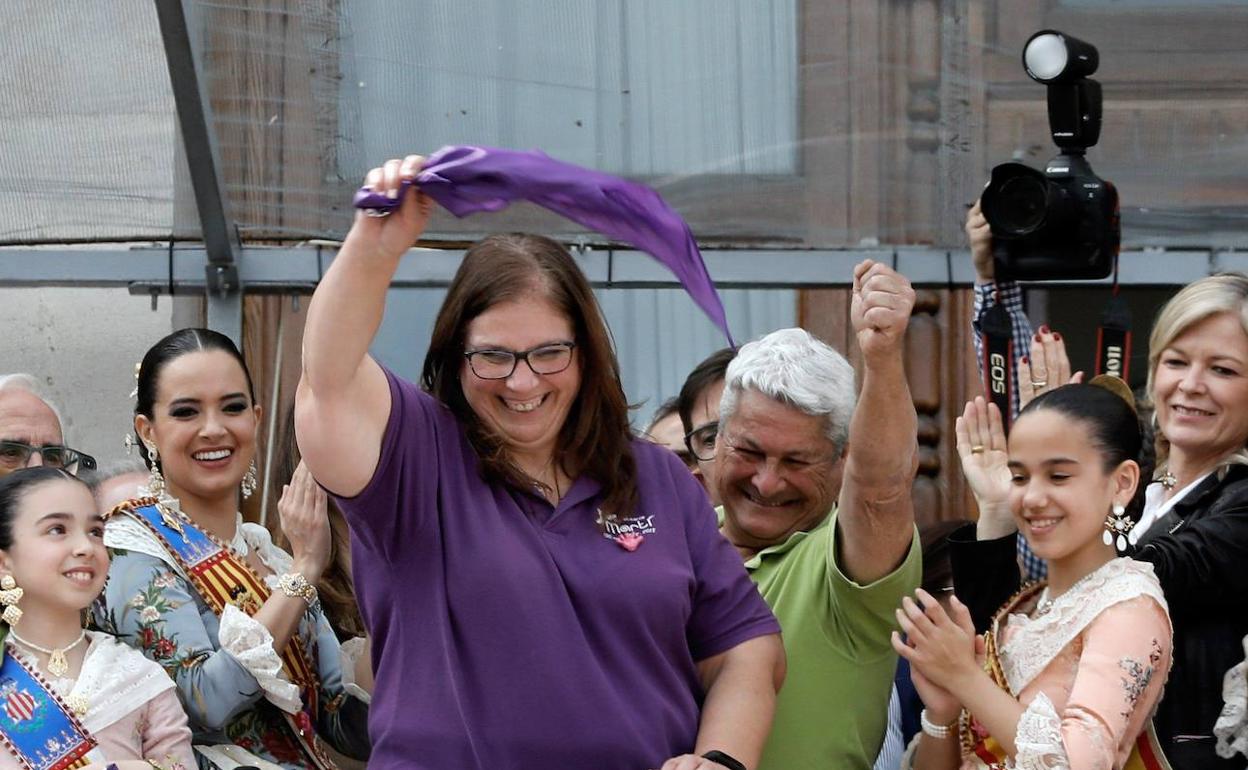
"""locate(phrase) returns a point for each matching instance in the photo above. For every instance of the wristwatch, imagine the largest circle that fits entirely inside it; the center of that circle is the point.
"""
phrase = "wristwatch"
(296, 586)
(720, 758)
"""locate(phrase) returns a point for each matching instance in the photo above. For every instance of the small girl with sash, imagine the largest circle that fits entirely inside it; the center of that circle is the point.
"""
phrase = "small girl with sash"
(234, 619)
(1071, 671)
(71, 698)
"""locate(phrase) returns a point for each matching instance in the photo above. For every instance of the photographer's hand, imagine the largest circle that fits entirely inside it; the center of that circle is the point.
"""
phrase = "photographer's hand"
(979, 238)
(1046, 368)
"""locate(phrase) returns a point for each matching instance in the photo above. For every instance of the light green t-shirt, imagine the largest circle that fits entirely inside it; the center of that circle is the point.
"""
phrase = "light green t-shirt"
(833, 707)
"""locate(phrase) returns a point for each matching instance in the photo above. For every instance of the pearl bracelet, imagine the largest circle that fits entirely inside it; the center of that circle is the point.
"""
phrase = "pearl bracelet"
(940, 732)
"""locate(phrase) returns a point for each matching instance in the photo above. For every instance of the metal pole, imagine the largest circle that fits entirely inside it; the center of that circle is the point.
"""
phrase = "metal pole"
(274, 397)
(222, 285)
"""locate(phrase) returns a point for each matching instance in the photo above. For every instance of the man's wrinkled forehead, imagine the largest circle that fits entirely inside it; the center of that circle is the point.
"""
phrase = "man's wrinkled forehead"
(26, 418)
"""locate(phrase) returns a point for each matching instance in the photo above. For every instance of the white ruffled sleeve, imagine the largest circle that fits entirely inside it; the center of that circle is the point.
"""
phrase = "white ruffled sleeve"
(1039, 738)
(1232, 725)
(907, 757)
(351, 650)
(250, 643)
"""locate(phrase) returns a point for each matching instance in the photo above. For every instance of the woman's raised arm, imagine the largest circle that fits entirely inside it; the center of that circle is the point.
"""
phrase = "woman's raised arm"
(343, 401)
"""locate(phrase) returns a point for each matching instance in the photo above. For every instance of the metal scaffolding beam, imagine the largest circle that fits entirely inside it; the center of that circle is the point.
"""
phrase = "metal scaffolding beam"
(178, 269)
(220, 256)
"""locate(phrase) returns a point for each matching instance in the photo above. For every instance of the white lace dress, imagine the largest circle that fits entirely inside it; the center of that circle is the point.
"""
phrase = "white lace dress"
(1231, 728)
(1090, 670)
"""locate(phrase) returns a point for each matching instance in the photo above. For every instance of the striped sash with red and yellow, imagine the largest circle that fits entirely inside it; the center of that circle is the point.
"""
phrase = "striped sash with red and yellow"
(221, 578)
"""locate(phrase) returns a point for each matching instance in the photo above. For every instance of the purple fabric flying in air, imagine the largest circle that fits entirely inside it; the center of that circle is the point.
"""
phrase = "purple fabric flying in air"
(465, 180)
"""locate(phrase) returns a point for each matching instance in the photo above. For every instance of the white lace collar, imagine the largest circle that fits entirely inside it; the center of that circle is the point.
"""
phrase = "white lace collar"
(1035, 642)
(115, 680)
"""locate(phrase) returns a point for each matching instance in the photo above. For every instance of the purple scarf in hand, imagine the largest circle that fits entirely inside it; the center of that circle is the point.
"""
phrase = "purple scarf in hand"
(465, 180)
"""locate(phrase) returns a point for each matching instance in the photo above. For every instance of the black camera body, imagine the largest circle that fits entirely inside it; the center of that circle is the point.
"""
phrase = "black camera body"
(1062, 223)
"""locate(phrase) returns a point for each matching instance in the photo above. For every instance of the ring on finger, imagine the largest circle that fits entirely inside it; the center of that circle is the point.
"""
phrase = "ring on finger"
(978, 449)
(1039, 383)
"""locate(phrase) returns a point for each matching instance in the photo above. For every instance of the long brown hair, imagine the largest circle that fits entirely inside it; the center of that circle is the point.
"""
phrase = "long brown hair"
(595, 438)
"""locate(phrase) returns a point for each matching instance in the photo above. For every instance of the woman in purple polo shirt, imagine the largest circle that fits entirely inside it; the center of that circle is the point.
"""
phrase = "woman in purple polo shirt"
(542, 590)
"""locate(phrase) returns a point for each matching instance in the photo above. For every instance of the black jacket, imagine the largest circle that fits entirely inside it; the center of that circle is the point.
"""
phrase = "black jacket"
(1200, 553)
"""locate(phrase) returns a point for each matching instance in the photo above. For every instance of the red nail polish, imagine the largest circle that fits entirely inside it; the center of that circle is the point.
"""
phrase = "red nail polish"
(1036, 336)
(1024, 360)
(1044, 328)
(1057, 336)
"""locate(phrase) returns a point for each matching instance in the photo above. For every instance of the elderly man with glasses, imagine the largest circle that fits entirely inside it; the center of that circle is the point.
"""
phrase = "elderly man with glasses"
(30, 430)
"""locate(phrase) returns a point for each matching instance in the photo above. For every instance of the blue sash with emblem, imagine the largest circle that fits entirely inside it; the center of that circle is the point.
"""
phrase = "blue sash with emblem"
(35, 725)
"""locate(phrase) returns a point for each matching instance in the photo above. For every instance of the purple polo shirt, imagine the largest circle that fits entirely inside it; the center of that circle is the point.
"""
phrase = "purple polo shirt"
(508, 633)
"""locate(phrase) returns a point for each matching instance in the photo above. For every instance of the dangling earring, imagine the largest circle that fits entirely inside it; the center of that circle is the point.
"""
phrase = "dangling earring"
(249, 481)
(1117, 526)
(9, 597)
(155, 481)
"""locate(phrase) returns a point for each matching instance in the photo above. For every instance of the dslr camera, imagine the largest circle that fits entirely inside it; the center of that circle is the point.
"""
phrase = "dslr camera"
(1060, 223)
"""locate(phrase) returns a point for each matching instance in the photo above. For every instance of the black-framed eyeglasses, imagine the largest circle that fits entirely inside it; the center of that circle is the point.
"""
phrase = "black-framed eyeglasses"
(15, 455)
(701, 441)
(550, 358)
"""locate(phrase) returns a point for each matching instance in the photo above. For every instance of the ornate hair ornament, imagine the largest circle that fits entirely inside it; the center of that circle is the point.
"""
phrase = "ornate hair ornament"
(1118, 387)
(137, 368)
(128, 440)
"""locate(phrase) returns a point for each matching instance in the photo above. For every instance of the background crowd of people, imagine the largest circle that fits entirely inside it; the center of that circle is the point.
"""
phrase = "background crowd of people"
(491, 568)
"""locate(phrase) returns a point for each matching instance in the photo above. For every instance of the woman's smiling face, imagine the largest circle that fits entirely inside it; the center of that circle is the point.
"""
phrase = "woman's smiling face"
(57, 555)
(527, 410)
(1061, 491)
(203, 424)
(1200, 389)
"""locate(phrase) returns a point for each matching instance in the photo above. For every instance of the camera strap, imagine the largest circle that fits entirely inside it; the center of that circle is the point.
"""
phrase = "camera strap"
(1113, 338)
(998, 347)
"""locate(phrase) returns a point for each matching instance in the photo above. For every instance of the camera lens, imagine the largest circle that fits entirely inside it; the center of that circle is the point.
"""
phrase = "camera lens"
(1021, 205)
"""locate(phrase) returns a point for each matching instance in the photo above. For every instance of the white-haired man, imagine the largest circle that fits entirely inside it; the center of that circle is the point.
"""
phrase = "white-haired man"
(816, 497)
(30, 429)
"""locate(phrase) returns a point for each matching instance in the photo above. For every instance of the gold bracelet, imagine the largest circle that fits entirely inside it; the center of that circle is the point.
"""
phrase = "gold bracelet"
(296, 586)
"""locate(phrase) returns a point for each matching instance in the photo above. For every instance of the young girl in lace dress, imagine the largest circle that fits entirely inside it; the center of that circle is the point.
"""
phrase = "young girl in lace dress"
(94, 699)
(1070, 672)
